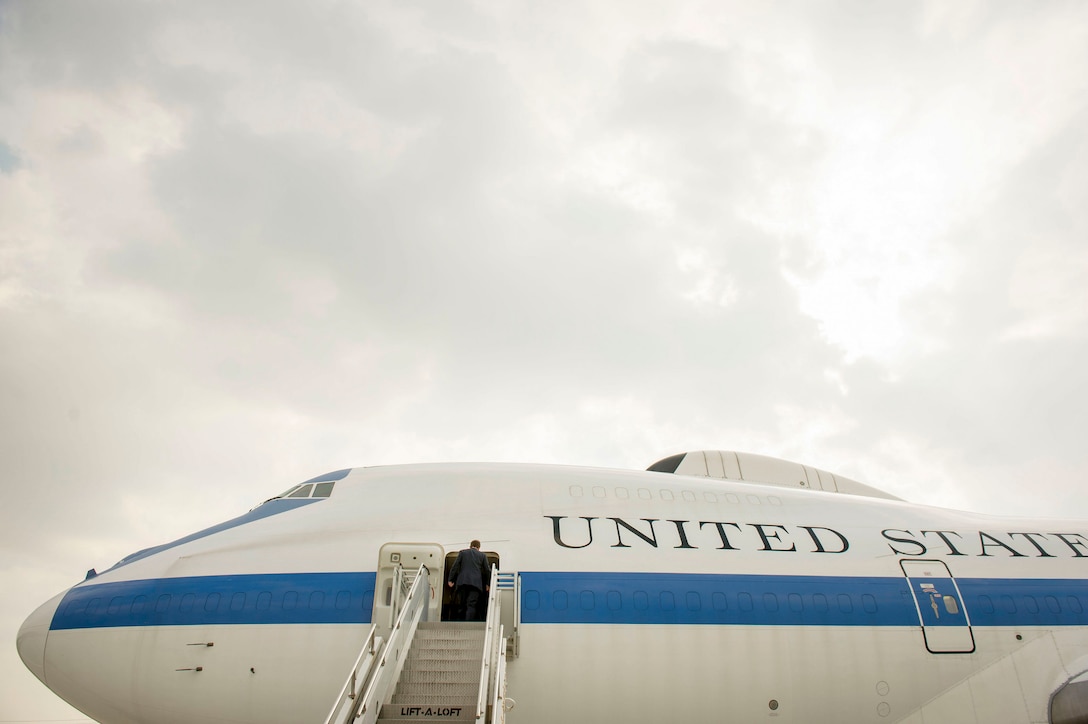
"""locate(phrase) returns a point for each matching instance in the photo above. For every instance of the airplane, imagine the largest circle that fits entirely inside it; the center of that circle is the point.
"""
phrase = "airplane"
(716, 586)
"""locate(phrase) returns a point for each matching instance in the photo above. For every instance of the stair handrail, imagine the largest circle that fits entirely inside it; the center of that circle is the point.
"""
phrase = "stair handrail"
(498, 698)
(391, 660)
(360, 672)
(489, 640)
(510, 584)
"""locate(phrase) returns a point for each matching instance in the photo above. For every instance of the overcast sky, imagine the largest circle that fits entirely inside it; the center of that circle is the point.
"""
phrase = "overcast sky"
(243, 244)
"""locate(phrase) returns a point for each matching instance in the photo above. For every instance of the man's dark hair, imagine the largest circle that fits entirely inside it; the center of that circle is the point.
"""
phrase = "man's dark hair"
(475, 544)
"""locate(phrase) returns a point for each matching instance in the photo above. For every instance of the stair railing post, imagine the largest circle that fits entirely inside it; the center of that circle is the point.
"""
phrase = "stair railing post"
(489, 638)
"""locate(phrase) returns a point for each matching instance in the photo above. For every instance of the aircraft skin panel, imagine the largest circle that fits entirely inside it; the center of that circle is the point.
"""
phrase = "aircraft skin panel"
(153, 670)
(732, 675)
(645, 597)
(826, 674)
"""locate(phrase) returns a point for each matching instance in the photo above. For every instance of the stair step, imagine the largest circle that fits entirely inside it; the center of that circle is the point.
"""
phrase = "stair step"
(472, 636)
(448, 642)
(417, 664)
(446, 655)
(462, 711)
(462, 702)
(433, 693)
(450, 625)
(430, 676)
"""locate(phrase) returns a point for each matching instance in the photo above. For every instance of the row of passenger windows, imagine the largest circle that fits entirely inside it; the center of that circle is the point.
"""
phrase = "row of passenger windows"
(695, 601)
(1007, 604)
(770, 602)
(215, 602)
(558, 600)
(599, 491)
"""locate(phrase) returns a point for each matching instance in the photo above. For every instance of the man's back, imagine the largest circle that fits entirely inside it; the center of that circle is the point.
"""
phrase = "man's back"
(470, 569)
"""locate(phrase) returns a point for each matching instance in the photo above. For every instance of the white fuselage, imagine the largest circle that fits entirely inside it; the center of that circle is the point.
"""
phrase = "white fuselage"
(645, 597)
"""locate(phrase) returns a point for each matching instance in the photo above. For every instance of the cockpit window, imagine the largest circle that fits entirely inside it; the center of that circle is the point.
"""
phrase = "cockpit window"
(285, 493)
(307, 490)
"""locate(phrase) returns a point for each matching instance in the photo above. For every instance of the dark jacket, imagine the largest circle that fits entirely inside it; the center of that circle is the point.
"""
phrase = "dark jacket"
(471, 569)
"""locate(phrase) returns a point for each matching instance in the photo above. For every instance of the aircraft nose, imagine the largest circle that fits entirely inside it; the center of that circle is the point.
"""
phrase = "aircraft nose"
(32, 636)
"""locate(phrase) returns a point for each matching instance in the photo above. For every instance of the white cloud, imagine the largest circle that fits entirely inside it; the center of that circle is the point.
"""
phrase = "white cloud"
(247, 244)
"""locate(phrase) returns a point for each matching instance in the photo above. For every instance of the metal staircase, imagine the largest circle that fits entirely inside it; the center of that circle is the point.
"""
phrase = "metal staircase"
(428, 671)
(441, 676)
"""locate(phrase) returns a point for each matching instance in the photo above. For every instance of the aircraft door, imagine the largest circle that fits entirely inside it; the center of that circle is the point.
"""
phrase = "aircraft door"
(946, 625)
(408, 557)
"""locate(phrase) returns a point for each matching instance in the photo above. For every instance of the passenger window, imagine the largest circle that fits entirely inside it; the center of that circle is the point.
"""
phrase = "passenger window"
(951, 606)
(303, 492)
(323, 490)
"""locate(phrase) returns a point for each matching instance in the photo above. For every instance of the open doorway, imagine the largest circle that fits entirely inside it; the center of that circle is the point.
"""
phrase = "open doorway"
(448, 604)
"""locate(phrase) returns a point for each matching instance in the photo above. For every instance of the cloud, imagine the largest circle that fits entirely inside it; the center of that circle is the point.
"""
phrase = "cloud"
(242, 245)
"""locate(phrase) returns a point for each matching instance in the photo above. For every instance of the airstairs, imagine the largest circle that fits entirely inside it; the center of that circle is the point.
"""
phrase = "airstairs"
(432, 671)
(441, 675)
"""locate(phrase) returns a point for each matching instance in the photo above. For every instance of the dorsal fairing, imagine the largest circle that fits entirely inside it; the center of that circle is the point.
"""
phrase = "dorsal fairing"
(764, 470)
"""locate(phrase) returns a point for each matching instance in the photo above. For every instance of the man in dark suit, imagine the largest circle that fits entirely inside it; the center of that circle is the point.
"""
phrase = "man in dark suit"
(470, 577)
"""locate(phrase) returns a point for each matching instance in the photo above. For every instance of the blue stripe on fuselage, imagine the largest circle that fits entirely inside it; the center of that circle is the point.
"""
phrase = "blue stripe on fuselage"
(577, 598)
(281, 598)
